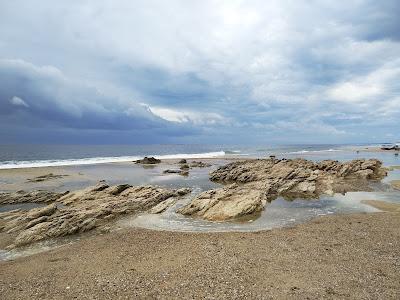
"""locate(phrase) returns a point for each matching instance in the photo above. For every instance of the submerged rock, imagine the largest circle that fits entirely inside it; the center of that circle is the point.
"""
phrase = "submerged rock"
(84, 210)
(259, 181)
(183, 172)
(148, 161)
(46, 177)
(199, 164)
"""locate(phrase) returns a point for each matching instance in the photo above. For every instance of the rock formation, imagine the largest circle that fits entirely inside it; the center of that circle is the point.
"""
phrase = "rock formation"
(148, 161)
(83, 210)
(38, 196)
(253, 183)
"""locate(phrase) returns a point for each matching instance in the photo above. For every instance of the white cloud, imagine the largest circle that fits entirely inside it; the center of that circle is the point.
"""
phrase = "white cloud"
(18, 101)
(186, 116)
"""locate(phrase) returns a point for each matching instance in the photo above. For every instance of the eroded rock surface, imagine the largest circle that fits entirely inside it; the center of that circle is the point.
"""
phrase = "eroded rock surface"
(83, 210)
(253, 183)
(38, 196)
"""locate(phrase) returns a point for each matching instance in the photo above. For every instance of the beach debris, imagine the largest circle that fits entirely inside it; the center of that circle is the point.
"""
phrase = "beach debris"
(148, 161)
(46, 177)
(251, 184)
(84, 210)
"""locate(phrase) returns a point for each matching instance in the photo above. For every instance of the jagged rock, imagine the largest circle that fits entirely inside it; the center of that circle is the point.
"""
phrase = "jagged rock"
(38, 196)
(262, 180)
(84, 210)
(148, 161)
(45, 177)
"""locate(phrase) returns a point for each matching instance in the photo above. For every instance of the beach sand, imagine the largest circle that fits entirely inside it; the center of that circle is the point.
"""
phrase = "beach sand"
(335, 257)
(354, 256)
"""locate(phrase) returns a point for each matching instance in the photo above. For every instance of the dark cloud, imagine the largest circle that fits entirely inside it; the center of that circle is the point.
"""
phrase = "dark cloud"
(206, 71)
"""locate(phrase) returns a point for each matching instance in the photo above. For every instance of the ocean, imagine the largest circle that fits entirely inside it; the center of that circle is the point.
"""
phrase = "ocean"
(21, 156)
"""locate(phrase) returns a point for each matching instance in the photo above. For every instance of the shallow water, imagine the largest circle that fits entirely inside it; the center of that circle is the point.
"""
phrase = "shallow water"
(278, 213)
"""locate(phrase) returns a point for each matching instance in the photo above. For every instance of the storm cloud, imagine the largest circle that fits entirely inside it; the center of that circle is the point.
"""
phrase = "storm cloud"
(199, 71)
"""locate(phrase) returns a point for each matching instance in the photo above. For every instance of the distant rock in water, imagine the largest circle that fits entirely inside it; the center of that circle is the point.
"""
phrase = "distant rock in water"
(253, 183)
(83, 210)
(183, 172)
(148, 161)
(199, 164)
(45, 177)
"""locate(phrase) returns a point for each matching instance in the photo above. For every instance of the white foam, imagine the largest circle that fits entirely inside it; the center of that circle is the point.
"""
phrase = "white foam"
(312, 151)
(100, 160)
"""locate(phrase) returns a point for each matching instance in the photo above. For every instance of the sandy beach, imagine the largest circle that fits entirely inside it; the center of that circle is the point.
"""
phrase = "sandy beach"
(337, 257)
(344, 256)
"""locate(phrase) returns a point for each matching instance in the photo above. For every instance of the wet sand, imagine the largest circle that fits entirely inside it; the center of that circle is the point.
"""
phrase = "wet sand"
(80, 176)
(383, 205)
(335, 257)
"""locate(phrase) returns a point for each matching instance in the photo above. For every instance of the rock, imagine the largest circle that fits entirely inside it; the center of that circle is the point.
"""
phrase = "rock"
(183, 191)
(168, 171)
(182, 161)
(260, 181)
(45, 177)
(84, 210)
(226, 203)
(180, 172)
(161, 207)
(148, 161)
(38, 196)
(199, 164)
(185, 167)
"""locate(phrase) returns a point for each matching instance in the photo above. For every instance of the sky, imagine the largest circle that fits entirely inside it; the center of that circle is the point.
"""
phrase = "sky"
(199, 71)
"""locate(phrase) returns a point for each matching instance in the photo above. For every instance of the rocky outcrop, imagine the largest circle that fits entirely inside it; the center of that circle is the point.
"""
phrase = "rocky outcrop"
(148, 161)
(46, 177)
(256, 182)
(83, 210)
(38, 196)
(183, 172)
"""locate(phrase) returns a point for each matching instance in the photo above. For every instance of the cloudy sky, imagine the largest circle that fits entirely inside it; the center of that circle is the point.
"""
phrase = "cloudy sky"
(199, 71)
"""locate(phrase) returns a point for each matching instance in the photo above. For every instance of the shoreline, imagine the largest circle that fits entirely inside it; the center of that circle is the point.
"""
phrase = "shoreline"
(357, 254)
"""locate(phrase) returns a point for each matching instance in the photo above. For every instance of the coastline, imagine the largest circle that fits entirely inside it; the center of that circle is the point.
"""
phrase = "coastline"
(338, 256)
(344, 256)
